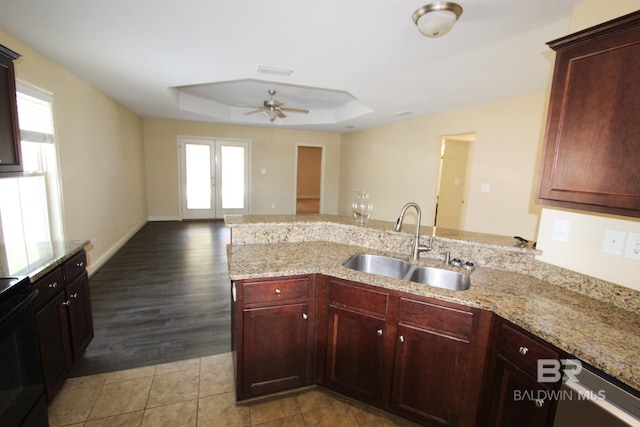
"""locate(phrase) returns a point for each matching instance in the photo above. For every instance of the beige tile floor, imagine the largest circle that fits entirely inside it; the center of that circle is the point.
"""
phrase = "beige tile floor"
(197, 392)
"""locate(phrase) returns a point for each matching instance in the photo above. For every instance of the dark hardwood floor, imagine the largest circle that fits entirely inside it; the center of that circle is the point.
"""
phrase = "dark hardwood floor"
(163, 297)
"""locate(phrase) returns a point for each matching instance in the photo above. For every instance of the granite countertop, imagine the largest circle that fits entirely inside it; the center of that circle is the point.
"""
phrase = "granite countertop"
(36, 259)
(594, 331)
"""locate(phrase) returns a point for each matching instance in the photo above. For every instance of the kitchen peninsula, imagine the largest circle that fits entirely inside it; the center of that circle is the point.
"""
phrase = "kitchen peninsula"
(582, 317)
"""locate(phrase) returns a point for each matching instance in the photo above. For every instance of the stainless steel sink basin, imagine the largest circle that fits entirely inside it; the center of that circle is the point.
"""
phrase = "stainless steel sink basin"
(440, 278)
(380, 265)
(399, 269)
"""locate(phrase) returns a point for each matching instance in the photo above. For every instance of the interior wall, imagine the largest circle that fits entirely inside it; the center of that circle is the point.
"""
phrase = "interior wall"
(399, 163)
(100, 153)
(583, 250)
(273, 160)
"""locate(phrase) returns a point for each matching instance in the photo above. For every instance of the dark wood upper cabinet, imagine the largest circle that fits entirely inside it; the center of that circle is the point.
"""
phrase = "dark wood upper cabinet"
(591, 155)
(9, 130)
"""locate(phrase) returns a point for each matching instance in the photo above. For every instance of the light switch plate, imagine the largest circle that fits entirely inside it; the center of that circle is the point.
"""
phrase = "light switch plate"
(561, 230)
(613, 242)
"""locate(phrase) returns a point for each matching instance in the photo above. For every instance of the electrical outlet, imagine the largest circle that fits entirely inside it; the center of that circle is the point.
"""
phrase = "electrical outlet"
(613, 242)
(633, 246)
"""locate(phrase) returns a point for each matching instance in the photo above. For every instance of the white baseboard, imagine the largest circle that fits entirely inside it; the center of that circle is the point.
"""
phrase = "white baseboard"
(94, 264)
(165, 218)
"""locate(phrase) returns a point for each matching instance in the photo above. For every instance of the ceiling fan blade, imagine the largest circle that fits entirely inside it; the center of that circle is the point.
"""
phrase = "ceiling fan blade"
(295, 110)
(259, 110)
(281, 114)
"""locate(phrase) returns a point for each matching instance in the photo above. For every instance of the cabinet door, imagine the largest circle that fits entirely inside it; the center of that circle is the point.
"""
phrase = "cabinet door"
(429, 376)
(592, 145)
(53, 337)
(9, 130)
(80, 318)
(355, 345)
(518, 400)
(275, 353)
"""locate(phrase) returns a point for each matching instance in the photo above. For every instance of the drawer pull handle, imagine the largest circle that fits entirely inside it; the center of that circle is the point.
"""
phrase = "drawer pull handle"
(401, 338)
(523, 350)
(75, 295)
(304, 316)
(539, 403)
(277, 291)
(80, 264)
(379, 332)
(53, 285)
(67, 302)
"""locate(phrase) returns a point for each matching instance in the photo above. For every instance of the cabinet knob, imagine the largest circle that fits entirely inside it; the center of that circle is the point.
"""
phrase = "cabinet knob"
(80, 264)
(304, 316)
(53, 285)
(523, 350)
(539, 403)
(277, 291)
(74, 295)
(379, 332)
(67, 302)
(401, 338)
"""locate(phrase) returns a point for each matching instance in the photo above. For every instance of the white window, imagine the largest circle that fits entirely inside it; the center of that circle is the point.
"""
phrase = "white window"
(30, 207)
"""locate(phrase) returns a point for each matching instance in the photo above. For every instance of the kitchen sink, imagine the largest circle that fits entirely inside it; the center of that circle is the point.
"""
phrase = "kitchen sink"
(399, 269)
(380, 265)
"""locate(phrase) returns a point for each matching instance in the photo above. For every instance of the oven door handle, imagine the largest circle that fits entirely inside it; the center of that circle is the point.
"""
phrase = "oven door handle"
(21, 306)
(603, 403)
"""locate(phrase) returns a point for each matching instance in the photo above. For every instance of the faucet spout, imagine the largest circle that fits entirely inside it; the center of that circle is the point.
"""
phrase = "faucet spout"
(417, 247)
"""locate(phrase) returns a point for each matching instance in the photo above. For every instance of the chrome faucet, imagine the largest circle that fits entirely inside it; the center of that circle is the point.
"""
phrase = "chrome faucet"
(417, 247)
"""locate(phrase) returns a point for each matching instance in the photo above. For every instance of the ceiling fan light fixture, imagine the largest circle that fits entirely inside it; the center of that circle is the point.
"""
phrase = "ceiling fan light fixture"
(437, 19)
(271, 114)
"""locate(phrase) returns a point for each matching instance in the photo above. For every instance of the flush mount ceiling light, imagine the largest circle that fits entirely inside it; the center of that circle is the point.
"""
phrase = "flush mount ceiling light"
(436, 19)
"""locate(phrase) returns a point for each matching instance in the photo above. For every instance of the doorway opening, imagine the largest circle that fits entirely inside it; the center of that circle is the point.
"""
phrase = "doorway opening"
(453, 182)
(214, 177)
(309, 179)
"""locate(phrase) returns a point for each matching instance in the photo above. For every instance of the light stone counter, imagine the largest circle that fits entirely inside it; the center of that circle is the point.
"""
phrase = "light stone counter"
(36, 259)
(603, 334)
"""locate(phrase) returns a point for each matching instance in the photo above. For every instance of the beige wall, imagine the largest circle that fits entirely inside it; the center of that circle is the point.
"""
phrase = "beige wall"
(273, 150)
(583, 251)
(100, 153)
(399, 163)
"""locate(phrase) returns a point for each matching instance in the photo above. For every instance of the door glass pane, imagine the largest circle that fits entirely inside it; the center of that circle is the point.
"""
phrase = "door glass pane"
(198, 174)
(232, 177)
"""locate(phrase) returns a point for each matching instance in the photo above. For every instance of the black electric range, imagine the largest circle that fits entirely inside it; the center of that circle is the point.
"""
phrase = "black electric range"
(22, 401)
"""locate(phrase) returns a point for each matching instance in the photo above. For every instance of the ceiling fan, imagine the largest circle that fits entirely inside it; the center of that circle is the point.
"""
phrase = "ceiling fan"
(273, 109)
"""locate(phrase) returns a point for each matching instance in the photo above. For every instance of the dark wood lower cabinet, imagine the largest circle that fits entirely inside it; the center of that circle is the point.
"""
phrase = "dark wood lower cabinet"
(52, 323)
(273, 322)
(430, 361)
(514, 397)
(516, 402)
(275, 348)
(64, 322)
(355, 350)
(439, 357)
(80, 318)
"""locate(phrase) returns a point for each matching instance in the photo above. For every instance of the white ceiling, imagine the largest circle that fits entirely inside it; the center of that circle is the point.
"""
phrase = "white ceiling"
(140, 52)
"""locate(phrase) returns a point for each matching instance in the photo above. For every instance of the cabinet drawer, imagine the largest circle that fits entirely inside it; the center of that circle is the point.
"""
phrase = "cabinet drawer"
(74, 266)
(358, 298)
(48, 286)
(276, 290)
(438, 318)
(524, 350)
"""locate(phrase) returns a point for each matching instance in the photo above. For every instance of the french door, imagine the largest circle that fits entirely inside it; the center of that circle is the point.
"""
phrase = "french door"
(214, 177)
